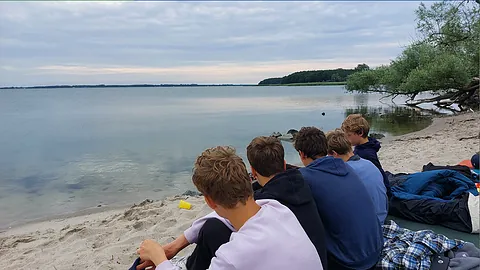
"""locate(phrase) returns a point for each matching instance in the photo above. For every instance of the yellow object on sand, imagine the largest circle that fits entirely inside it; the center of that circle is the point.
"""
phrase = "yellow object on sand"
(184, 205)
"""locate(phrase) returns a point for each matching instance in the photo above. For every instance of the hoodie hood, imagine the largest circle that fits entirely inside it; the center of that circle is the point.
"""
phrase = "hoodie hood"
(287, 187)
(372, 144)
(329, 164)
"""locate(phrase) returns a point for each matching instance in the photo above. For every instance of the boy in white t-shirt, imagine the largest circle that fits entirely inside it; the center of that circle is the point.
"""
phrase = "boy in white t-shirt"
(267, 235)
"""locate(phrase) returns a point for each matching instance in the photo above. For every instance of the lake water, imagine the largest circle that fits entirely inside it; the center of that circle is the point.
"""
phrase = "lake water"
(63, 150)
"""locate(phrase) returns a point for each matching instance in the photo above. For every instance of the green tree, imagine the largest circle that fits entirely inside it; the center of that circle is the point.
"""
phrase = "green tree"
(314, 76)
(362, 67)
(444, 62)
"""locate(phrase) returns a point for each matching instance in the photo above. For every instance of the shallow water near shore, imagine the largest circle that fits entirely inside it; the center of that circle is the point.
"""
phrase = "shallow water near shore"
(64, 150)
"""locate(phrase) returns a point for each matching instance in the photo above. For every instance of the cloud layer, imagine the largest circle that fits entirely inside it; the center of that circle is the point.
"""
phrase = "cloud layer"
(193, 42)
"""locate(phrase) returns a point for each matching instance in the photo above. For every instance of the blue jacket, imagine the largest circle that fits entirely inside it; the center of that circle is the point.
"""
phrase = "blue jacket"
(441, 185)
(354, 234)
(369, 151)
(373, 181)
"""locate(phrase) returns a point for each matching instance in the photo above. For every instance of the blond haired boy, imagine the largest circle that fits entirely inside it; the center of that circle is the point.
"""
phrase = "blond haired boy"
(356, 129)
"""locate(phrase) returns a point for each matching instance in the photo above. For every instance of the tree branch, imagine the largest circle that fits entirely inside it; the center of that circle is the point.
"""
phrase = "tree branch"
(428, 100)
(431, 111)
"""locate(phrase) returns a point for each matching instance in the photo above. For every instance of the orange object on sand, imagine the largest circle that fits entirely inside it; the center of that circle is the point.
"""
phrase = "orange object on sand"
(467, 163)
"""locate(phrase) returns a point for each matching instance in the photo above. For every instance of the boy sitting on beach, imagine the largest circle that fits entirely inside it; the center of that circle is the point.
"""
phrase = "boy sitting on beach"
(354, 234)
(266, 156)
(340, 147)
(266, 234)
(356, 128)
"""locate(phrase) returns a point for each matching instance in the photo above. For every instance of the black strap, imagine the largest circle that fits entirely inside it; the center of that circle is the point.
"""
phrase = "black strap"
(439, 262)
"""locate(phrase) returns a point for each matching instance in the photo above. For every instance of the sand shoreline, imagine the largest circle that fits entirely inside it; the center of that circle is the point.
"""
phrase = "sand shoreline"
(106, 237)
(73, 214)
(447, 141)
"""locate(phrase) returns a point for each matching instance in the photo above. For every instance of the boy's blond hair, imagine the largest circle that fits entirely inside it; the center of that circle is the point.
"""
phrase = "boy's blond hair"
(357, 124)
(337, 141)
(221, 175)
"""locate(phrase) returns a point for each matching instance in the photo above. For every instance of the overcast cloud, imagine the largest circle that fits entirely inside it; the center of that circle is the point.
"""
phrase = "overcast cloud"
(195, 42)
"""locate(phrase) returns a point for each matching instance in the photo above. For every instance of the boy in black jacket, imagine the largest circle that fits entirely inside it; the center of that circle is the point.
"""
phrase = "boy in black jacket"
(266, 157)
(356, 128)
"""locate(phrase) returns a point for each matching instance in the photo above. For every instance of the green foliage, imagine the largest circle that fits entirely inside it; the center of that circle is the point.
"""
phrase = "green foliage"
(336, 75)
(447, 56)
(362, 67)
(452, 26)
(315, 83)
(315, 76)
(443, 72)
(271, 81)
(368, 80)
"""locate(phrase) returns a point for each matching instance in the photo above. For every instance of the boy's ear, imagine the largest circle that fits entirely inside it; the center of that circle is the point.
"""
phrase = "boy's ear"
(302, 156)
(210, 202)
(254, 172)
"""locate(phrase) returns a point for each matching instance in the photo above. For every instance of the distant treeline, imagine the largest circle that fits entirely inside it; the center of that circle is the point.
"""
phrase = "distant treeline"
(119, 85)
(315, 76)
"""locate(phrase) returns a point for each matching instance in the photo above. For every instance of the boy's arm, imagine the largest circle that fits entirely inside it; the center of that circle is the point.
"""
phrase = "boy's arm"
(191, 234)
(173, 248)
(375, 161)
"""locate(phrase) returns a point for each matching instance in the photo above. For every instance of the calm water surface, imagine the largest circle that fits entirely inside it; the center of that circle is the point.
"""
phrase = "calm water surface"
(63, 150)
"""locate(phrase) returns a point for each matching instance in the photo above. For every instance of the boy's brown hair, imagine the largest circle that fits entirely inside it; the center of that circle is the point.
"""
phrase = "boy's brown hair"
(311, 141)
(357, 124)
(266, 155)
(220, 174)
(337, 141)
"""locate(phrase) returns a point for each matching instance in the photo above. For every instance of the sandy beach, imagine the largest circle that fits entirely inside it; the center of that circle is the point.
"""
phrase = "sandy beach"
(108, 240)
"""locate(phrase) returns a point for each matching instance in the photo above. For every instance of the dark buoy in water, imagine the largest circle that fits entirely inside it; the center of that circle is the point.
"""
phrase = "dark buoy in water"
(323, 113)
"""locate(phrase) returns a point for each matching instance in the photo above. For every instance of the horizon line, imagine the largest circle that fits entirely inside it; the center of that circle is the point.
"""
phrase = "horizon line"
(126, 85)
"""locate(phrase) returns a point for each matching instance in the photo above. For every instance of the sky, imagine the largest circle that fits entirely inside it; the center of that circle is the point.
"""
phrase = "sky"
(48, 43)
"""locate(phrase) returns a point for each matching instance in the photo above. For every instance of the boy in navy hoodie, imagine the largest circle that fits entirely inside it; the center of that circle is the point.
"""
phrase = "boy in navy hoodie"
(354, 234)
(356, 128)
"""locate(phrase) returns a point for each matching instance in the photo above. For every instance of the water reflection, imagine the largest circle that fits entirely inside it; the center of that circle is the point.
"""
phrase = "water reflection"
(392, 120)
(360, 99)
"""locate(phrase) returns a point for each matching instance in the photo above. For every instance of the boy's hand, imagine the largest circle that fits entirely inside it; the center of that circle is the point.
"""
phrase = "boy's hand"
(145, 264)
(152, 251)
